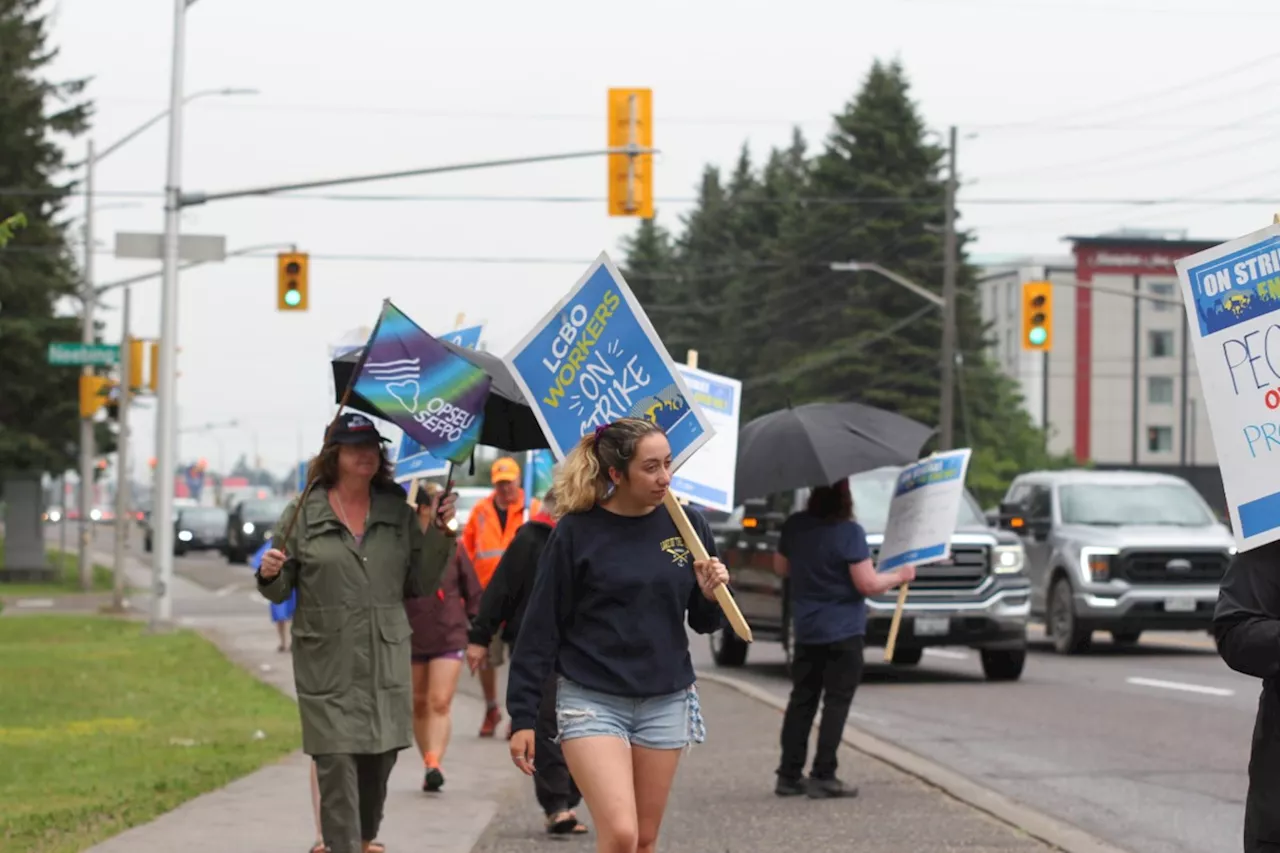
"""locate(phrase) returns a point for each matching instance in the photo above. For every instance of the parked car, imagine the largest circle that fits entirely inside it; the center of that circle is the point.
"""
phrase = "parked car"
(249, 524)
(978, 598)
(196, 528)
(1117, 551)
(468, 497)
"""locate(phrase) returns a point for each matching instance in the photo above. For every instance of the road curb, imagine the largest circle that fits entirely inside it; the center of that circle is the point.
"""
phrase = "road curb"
(1051, 831)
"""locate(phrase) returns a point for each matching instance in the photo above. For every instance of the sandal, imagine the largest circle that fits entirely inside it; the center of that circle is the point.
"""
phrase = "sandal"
(566, 825)
(318, 847)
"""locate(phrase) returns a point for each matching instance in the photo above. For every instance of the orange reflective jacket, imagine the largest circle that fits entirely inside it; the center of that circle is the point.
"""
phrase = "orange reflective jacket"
(486, 540)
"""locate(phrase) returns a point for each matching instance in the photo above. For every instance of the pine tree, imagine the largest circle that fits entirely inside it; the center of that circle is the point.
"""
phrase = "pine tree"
(39, 409)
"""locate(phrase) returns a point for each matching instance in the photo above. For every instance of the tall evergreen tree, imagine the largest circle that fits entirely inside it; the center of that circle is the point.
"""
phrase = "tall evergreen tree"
(39, 409)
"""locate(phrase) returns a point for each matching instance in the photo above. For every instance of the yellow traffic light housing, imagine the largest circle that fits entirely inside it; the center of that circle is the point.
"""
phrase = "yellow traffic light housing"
(153, 379)
(291, 281)
(136, 356)
(93, 394)
(1037, 316)
(631, 175)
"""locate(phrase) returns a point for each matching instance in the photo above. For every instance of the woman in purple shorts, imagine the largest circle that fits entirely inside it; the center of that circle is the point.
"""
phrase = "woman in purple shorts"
(440, 625)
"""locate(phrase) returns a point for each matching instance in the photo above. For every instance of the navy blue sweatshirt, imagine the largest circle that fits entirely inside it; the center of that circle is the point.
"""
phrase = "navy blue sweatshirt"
(608, 609)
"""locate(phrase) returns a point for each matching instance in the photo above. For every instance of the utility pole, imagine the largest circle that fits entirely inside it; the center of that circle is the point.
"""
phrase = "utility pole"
(166, 387)
(946, 409)
(123, 520)
(85, 564)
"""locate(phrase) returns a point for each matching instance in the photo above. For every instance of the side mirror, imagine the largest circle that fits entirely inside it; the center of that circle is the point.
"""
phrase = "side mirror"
(1013, 516)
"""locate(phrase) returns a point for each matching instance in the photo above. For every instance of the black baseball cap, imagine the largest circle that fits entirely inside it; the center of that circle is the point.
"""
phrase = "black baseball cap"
(355, 428)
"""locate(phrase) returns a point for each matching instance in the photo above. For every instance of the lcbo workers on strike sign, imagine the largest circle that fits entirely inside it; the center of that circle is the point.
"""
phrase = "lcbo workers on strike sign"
(1232, 294)
(595, 358)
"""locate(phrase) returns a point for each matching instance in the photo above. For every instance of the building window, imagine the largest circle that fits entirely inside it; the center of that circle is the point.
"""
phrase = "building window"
(1159, 439)
(1162, 289)
(1160, 344)
(1160, 390)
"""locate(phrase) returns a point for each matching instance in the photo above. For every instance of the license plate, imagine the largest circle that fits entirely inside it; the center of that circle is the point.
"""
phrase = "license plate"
(932, 626)
(1179, 605)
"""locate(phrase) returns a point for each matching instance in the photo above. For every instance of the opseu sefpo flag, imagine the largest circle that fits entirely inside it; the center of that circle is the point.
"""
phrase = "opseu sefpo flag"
(436, 397)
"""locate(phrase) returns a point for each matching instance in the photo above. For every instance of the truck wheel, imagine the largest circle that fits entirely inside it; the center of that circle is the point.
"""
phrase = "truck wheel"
(727, 649)
(1069, 637)
(1126, 638)
(907, 657)
(1003, 664)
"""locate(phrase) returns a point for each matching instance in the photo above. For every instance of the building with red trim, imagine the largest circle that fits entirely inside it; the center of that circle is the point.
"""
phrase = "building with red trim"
(1119, 386)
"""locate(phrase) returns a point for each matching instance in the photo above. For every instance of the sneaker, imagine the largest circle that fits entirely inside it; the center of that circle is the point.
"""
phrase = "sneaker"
(433, 780)
(491, 719)
(823, 789)
(789, 787)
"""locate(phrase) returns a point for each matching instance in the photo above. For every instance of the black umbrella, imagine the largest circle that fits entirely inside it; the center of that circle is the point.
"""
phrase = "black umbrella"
(821, 443)
(509, 423)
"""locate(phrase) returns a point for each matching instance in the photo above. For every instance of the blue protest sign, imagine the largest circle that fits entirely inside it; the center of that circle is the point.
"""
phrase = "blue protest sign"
(708, 479)
(595, 358)
(413, 462)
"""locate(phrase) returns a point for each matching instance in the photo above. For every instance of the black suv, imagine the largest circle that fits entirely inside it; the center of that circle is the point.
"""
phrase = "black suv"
(979, 598)
(249, 525)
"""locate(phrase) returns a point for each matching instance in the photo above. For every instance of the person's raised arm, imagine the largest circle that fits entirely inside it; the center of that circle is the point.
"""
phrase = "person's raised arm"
(277, 586)
(1245, 623)
(549, 606)
(781, 558)
(862, 570)
(430, 551)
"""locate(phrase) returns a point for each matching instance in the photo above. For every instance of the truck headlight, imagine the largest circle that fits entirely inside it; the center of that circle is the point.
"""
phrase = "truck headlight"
(247, 528)
(185, 535)
(1008, 559)
(1095, 563)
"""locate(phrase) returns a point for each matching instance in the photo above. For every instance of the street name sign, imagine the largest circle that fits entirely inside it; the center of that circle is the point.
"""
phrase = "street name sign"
(74, 354)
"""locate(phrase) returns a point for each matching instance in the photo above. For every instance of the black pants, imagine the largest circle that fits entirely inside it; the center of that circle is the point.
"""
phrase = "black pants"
(552, 782)
(353, 790)
(829, 672)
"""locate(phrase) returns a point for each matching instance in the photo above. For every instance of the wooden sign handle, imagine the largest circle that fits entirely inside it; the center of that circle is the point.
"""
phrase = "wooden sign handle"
(691, 540)
(895, 624)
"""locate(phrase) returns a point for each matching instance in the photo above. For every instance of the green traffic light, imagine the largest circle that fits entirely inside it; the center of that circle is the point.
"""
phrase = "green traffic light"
(1038, 336)
(292, 298)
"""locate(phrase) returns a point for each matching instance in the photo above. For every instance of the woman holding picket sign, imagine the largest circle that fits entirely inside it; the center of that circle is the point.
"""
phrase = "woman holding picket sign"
(626, 703)
(354, 552)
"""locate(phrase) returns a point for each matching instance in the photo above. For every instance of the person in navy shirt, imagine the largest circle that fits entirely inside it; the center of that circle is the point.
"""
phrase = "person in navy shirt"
(613, 589)
(824, 553)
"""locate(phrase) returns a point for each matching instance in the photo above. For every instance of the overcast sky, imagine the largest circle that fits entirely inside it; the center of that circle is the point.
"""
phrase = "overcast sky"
(1055, 100)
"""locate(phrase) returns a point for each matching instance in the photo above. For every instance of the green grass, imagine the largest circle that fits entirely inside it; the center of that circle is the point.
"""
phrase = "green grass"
(68, 580)
(104, 727)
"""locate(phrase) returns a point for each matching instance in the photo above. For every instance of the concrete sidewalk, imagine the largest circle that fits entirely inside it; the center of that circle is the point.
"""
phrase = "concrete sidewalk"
(723, 802)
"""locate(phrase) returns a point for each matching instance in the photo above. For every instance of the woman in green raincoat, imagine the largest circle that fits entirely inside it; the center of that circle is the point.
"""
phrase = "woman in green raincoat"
(354, 554)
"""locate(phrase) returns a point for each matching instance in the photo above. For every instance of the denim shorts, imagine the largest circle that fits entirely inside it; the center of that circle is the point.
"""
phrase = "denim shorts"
(672, 721)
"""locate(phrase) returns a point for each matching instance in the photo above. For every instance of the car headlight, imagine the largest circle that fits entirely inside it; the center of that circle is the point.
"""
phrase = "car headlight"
(1095, 563)
(247, 528)
(95, 514)
(184, 535)
(1008, 559)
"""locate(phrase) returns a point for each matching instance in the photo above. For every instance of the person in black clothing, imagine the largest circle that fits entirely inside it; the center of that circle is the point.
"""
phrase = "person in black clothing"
(1246, 625)
(614, 587)
(502, 607)
(824, 553)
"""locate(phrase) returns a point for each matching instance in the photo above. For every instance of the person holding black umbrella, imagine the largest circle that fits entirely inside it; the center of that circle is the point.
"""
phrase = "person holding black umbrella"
(824, 552)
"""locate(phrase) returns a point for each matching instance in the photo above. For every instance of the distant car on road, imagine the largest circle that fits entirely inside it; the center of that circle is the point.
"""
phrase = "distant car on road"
(249, 524)
(197, 528)
(1117, 551)
(468, 497)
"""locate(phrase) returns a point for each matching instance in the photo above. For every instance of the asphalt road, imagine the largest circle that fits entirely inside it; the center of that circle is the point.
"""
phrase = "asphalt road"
(1146, 748)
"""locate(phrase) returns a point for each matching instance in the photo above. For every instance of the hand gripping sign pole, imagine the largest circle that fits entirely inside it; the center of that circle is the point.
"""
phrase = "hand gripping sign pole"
(723, 597)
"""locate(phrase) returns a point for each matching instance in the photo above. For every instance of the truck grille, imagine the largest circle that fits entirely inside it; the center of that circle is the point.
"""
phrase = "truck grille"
(966, 569)
(1172, 566)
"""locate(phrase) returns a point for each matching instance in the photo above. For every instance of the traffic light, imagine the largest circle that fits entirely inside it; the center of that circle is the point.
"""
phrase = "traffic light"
(153, 380)
(291, 281)
(136, 348)
(631, 176)
(1037, 316)
(93, 394)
